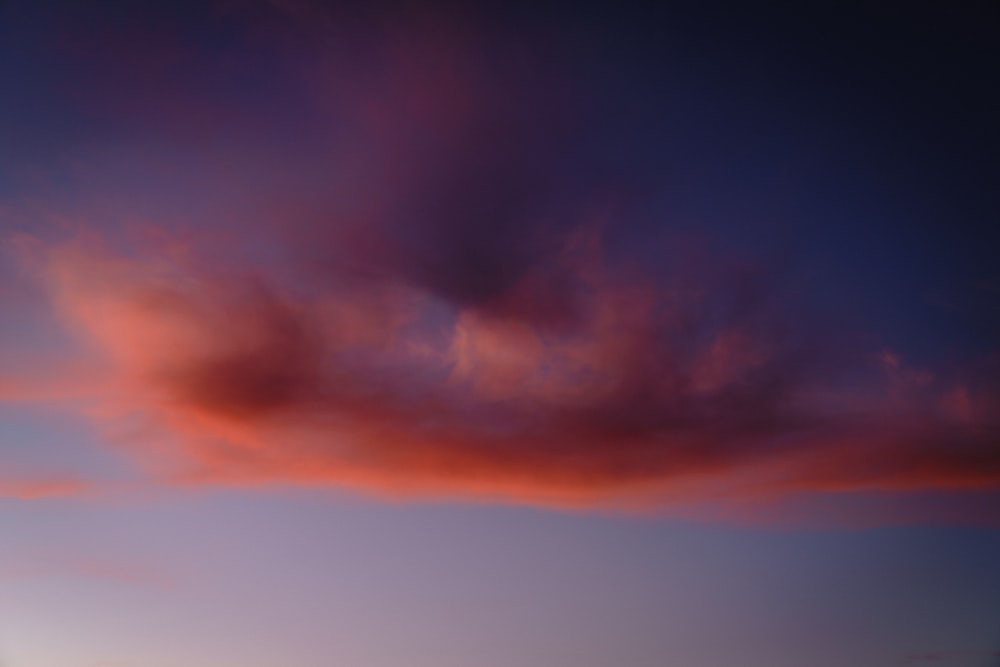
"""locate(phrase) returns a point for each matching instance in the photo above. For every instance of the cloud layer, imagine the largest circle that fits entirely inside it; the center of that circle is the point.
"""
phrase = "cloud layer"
(410, 274)
(641, 391)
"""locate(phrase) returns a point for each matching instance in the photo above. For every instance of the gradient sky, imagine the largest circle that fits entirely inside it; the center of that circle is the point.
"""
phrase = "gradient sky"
(423, 334)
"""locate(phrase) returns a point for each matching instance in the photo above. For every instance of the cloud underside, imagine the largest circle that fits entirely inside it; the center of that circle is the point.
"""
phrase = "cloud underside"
(608, 389)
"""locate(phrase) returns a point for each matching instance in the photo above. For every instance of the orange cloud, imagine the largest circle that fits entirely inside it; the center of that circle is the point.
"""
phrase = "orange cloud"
(32, 489)
(643, 396)
(420, 320)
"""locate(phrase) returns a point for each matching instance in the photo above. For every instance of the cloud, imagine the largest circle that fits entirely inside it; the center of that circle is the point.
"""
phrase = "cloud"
(408, 274)
(86, 568)
(652, 391)
(31, 489)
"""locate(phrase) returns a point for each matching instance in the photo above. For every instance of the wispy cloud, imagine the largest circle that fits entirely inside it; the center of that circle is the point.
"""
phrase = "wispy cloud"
(27, 488)
(100, 569)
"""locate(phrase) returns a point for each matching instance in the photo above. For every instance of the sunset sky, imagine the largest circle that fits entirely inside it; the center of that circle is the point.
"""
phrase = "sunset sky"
(416, 334)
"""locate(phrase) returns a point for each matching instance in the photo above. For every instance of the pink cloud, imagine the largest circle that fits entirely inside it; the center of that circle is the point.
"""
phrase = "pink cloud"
(86, 568)
(395, 284)
(32, 489)
(637, 400)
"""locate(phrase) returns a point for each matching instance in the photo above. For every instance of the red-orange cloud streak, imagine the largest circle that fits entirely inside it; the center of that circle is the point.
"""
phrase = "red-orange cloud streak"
(644, 395)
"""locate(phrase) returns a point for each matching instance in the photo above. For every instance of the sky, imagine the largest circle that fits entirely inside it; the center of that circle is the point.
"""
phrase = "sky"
(426, 333)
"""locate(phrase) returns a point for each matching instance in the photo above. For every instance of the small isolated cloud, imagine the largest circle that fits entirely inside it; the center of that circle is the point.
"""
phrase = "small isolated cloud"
(100, 569)
(32, 489)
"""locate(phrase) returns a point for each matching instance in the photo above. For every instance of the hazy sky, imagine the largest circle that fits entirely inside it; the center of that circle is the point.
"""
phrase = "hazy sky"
(425, 334)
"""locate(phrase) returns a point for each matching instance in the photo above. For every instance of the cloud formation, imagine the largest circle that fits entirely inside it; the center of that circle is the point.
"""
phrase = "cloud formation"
(646, 391)
(407, 277)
